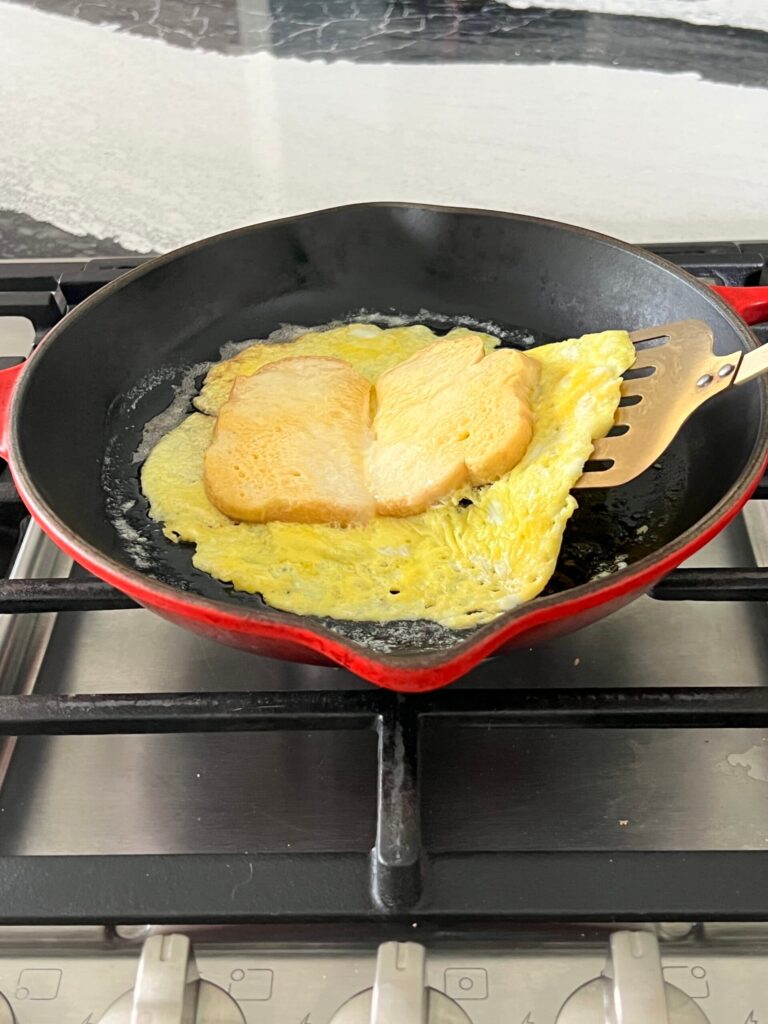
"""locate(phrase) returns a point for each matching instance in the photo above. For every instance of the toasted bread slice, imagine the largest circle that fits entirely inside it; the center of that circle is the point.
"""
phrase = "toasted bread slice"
(289, 444)
(446, 417)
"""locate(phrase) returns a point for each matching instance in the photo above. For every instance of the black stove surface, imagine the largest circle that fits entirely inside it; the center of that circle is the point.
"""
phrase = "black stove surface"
(615, 774)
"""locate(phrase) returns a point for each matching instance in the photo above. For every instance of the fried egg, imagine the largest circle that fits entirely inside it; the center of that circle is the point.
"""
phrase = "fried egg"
(462, 562)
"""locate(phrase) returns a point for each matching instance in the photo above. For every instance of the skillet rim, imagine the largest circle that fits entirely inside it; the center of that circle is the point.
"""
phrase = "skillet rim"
(412, 671)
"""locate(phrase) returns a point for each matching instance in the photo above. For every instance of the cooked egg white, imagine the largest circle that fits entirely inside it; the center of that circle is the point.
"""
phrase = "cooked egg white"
(456, 564)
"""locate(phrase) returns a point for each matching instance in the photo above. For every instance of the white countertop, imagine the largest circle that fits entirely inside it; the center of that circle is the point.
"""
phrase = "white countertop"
(116, 135)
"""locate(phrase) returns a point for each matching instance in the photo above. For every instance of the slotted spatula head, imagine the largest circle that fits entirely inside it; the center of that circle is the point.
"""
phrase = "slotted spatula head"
(676, 371)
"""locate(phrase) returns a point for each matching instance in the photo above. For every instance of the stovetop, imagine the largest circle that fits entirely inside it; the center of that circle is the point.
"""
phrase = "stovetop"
(618, 774)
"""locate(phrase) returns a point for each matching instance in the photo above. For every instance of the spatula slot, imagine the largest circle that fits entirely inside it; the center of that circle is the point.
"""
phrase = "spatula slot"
(652, 342)
(629, 400)
(618, 429)
(598, 465)
(636, 372)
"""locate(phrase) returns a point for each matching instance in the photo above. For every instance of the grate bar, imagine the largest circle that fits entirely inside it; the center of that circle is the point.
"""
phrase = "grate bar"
(713, 585)
(90, 594)
(397, 855)
(478, 887)
(83, 714)
(649, 708)
(135, 713)
(60, 595)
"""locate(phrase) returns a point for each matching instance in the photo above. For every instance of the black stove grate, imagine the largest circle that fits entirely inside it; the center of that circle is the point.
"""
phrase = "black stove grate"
(400, 882)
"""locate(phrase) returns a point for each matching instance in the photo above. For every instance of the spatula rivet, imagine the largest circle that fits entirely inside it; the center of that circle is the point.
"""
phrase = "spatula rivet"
(726, 370)
(704, 380)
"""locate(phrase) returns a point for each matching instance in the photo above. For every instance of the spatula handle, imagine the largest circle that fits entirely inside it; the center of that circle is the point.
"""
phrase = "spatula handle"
(752, 365)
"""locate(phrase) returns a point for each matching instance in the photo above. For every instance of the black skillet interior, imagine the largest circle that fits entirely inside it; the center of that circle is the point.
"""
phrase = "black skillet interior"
(127, 349)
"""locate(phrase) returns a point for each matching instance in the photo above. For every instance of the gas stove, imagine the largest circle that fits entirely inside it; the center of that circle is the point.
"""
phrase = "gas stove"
(191, 834)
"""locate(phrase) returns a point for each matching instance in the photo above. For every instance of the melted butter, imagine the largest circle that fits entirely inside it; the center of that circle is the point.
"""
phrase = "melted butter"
(459, 566)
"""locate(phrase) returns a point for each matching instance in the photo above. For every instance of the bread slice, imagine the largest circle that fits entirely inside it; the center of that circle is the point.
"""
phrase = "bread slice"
(289, 444)
(294, 442)
(446, 417)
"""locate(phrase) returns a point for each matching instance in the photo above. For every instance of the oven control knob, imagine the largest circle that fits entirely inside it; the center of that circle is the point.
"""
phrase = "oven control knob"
(168, 990)
(632, 990)
(6, 1013)
(400, 994)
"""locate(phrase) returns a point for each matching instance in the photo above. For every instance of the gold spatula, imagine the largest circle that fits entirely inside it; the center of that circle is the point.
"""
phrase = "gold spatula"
(674, 373)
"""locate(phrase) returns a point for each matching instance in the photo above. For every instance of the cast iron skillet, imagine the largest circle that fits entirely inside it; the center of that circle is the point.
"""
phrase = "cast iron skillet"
(112, 364)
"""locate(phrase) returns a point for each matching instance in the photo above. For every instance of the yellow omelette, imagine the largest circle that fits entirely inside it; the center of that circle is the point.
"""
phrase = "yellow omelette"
(462, 562)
